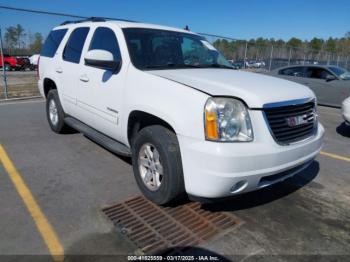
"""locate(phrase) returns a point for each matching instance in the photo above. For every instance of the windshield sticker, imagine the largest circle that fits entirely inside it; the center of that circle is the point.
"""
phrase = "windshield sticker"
(208, 45)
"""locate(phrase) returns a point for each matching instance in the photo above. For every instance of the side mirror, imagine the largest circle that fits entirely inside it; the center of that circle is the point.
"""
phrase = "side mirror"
(330, 78)
(101, 59)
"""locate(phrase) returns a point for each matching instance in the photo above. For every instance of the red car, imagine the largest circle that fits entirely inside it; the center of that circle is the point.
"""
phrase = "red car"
(15, 63)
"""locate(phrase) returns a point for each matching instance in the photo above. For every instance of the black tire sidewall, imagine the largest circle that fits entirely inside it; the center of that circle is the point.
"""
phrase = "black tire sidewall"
(53, 95)
(165, 141)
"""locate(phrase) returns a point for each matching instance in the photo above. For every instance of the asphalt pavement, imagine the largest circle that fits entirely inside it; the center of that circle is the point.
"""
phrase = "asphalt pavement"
(71, 179)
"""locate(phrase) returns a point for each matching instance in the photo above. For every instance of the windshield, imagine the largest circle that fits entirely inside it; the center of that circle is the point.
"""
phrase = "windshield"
(161, 49)
(340, 72)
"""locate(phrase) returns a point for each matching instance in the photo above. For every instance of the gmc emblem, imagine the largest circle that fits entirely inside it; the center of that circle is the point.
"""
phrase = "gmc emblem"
(296, 120)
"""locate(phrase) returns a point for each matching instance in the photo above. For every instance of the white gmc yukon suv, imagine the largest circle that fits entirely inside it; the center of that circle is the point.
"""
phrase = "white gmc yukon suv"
(167, 98)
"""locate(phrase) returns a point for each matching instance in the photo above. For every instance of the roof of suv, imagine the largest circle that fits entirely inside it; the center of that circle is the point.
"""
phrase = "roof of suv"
(124, 24)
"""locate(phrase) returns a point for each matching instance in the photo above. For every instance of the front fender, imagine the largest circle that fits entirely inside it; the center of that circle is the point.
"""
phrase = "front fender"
(178, 105)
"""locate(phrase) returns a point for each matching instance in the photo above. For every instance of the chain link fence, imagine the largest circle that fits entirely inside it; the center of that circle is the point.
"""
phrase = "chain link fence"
(20, 84)
(17, 79)
(266, 57)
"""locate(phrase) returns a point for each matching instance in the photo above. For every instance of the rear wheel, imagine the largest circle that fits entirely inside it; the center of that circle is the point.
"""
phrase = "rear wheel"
(55, 113)
(157, 164)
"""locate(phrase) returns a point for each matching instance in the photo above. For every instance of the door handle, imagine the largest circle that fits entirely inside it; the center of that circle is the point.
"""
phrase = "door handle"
(59, 70)
(84, 78)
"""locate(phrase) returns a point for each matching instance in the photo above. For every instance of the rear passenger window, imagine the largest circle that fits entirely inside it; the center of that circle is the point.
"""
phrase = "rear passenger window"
(104, 38)
(74, 47)
(52, 42)
(292, 71)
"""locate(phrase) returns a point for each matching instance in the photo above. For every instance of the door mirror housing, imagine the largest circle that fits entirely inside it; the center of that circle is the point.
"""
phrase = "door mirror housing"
(330, 78)
(101, 59)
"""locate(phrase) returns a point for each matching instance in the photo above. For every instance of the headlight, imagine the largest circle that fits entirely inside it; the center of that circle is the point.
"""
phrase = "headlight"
(227, 119)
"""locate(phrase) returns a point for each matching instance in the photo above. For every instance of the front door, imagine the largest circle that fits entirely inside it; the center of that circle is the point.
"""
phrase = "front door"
(100, 90)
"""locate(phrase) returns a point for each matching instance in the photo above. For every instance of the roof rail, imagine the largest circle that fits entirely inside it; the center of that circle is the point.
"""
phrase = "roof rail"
(94, 19)
(88, 19)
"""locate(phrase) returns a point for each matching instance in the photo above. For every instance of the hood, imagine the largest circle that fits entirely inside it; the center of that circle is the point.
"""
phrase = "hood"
(253, 88)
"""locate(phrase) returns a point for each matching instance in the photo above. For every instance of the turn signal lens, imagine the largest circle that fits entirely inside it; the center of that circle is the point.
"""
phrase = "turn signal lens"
(211, 125)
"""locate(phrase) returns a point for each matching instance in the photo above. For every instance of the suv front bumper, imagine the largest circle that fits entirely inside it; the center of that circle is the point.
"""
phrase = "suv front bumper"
(213, 169)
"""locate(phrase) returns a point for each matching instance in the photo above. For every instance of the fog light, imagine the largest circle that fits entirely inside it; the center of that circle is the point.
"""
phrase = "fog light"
(239, 186)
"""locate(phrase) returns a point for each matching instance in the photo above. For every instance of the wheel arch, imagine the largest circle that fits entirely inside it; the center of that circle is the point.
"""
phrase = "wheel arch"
(48, 84)
(139, 119)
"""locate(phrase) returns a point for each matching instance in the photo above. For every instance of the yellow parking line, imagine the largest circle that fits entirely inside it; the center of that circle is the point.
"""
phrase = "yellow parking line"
(46, 230)
(347, 159)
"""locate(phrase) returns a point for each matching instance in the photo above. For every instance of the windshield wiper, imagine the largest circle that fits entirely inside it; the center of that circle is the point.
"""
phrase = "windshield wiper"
(172, 65)
(161, 66)
(191, 65)
(216, 65)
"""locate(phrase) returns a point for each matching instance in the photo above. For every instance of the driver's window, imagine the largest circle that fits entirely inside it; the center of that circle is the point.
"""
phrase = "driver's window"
(165, 50)
(104, 39)
(317, 72)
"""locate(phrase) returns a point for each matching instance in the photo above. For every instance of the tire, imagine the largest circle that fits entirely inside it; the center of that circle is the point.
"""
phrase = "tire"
(53, 103)
(164, 141)
(8, 67)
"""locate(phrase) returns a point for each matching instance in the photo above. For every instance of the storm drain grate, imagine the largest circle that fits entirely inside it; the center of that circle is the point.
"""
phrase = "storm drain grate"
(154, 229)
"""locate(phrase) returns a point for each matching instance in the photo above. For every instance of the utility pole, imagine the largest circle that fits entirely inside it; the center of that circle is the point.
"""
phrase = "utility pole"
(3, 66)
(290, 55)
(271, 55)
(245, 54)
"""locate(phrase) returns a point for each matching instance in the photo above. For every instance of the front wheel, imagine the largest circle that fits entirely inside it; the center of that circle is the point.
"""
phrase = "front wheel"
(157, 164)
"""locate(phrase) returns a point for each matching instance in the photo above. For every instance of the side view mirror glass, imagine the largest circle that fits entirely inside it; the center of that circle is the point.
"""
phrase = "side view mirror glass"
(101, 59)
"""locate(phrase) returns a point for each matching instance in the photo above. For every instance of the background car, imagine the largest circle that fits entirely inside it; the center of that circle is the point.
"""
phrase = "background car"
(256, 64)
(15, 63)
(9, 62)
(346, 110)
(331, 84)
(237, 64)
(34, 59)
(22, 64)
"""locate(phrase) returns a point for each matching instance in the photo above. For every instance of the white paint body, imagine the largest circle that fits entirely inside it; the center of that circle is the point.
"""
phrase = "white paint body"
(346, 110)
(178, 97)
(34, 59)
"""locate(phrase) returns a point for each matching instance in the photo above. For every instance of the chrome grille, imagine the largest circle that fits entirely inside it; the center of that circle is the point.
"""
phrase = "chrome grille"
(291, 123)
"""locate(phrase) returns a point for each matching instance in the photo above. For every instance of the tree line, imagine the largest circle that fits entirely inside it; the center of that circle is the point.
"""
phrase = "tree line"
(294, 47)
(18, 41)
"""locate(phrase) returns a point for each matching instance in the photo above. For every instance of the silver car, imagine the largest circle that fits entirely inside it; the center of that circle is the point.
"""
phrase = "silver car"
(331, 84)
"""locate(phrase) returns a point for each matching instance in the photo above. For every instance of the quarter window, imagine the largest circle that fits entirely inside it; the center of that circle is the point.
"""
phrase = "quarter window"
(104, 38)
(74, 47)
(52, 42)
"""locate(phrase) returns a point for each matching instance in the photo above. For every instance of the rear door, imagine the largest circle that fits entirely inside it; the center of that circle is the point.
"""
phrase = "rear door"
(101, 90)
(50, 56)
(68, 68)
